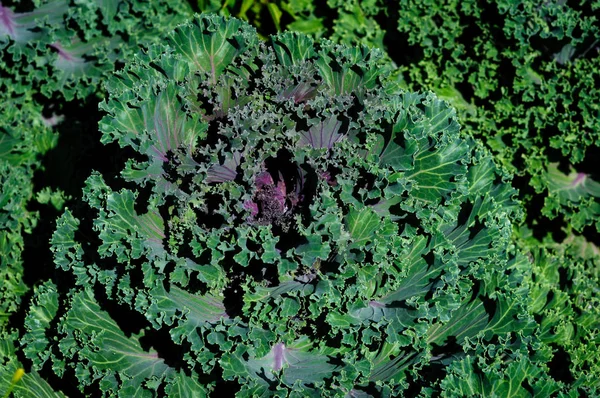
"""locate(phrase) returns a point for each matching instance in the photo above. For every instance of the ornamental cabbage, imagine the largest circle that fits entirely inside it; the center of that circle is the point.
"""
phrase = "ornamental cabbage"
(288, 223)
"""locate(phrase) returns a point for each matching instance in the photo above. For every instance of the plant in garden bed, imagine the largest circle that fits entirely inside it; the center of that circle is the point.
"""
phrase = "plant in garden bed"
(289, 223)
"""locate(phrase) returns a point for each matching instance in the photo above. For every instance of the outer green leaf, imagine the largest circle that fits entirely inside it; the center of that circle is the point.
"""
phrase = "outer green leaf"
(34, 386)
(362, 224)
(290, 364)
(293, 49)
(349, 70)
(120, 226)
(37, 322)
(466, 322)
(209, 45)
(30, 385)
(103, 351)
(188, 311)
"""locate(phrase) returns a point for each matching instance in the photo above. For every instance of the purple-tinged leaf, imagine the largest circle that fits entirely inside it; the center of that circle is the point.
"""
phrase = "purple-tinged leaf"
(278, 356)
(301, 92)
(154, 127)
(575, 194)
(20, 27)
(8, 23)
(323, 134)
(296, 362)
(226, 171)
(70, 58)
(263, 179)
(158, 128)
(280, 190)
(252, 207)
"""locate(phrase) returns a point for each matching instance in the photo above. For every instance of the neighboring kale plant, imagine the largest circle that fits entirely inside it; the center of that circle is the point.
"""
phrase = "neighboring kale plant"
(566, 301)
(524, 76)
(54, 54)
(65, 49)
(288, 223)
(24, 137)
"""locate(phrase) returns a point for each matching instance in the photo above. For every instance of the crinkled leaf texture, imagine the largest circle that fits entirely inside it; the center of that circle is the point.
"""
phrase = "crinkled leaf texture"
(566, 300)
(523, 76)
(294, 223)
(24, 138)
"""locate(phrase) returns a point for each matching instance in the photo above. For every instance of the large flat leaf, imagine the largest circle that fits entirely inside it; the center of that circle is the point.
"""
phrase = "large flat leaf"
(351, 71)
(323, 134)
(293, 49)
(123, 231)
(293, 364)
(362, 224)
(184, 312)
(104, 351)
(156, 127)
(210, 45)
(437, 171)
(424, 142)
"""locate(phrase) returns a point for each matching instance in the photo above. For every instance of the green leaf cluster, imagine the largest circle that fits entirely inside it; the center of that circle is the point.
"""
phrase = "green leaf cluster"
(287, 216)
